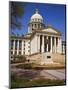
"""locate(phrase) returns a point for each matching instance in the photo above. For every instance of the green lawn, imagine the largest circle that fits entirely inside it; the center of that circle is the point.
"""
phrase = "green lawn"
(18, 82)
(39, 67)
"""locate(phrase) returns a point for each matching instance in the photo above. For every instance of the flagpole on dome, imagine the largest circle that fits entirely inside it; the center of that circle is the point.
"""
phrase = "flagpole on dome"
(37, 11)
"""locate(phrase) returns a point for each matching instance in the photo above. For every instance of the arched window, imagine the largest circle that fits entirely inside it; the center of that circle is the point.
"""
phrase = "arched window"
(35, 25)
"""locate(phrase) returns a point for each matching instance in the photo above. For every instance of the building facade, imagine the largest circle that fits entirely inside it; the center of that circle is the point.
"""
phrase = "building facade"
(39, 39)
(63, 47)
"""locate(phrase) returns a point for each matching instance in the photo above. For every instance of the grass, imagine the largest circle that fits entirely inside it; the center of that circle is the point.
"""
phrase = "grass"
(49, 66)
(24, 66)
(18, 82)
(40, 67)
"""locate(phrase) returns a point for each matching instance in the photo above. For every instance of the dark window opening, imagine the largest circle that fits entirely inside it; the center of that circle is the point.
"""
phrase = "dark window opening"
(35, 25)
(11, 56)
(48, 56)
(19, 52)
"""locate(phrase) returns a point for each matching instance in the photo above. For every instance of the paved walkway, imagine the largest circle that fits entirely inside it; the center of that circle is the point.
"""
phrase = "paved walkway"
(49, 74)
(57, 74)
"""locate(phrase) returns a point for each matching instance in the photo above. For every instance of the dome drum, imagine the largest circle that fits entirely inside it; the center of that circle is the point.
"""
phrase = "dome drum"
(36, 22)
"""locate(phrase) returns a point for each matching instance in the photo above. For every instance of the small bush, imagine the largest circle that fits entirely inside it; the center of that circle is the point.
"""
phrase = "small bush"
(18, 59)
(24, 66)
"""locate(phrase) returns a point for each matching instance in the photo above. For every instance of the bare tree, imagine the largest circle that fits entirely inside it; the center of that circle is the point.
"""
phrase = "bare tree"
(16, 13)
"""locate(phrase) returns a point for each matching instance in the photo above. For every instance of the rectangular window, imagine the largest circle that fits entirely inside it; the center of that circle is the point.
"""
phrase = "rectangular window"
(19, 52)
(48, 56)
(11, 57)
(35, 25)
(28, 50)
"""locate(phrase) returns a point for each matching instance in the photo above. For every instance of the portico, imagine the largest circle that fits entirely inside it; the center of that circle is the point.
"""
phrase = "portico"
(50, 44)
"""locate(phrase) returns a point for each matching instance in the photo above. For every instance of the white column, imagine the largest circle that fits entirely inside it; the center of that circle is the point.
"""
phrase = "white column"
(47, 44)
(38, 43)
(42, 43)
(14, 47)
(51, 45)
(60, 45)
(17, 47)
(55, 44)
(22, 46)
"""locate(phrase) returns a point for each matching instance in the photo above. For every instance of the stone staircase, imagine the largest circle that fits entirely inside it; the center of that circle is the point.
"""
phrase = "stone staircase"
(58, 58)
(37, 58)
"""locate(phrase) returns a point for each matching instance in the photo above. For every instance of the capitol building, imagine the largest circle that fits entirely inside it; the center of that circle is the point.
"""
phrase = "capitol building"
(39, 39)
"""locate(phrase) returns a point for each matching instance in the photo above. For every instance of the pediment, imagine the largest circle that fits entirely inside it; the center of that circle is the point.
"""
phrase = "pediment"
(50, 30)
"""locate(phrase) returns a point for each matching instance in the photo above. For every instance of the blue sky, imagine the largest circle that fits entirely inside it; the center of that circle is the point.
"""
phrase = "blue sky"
(53, 14)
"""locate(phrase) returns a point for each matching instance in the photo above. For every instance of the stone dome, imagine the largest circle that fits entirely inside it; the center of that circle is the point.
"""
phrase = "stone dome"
(36, 17)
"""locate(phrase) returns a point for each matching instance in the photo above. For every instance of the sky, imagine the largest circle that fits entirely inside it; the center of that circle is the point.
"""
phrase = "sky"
(53, 14)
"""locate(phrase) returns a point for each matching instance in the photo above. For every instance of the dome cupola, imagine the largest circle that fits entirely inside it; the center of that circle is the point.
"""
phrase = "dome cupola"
(36, 17)
(36, 22)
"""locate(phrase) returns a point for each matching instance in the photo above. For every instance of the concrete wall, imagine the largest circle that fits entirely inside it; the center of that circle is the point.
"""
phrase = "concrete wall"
(34, 45)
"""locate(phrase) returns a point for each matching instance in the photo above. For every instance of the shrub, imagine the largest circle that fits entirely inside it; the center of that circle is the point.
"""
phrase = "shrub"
(18, 59)
(24, 66)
